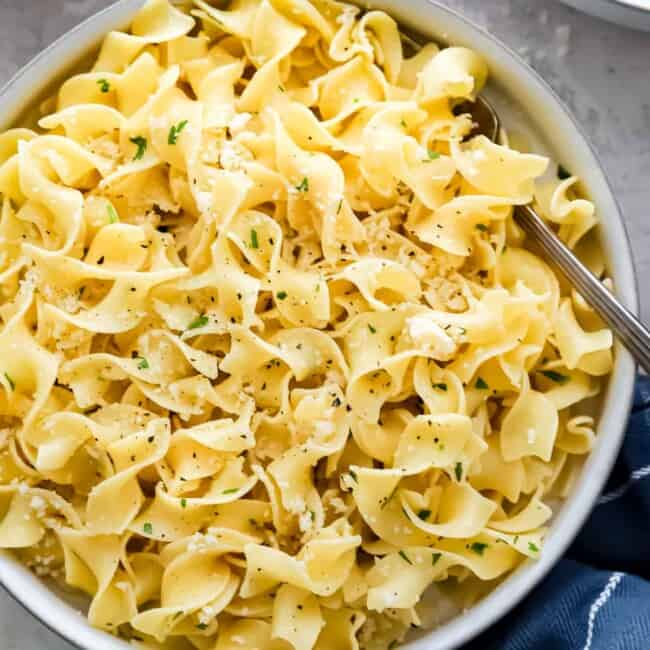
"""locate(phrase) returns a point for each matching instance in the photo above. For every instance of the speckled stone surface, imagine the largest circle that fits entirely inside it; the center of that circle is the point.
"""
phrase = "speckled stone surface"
(600, 70)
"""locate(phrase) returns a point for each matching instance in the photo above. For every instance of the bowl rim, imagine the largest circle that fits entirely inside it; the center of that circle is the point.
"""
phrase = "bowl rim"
(64, 52)
(633, 4)
(627, 13)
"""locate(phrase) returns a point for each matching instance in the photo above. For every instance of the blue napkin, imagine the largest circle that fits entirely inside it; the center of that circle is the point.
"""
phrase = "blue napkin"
(598, 596)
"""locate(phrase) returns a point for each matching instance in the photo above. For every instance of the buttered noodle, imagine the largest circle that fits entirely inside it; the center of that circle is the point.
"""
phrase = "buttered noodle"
(274, 357)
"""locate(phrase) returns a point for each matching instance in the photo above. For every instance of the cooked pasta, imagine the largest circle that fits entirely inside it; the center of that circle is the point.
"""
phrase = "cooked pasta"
(274, 356)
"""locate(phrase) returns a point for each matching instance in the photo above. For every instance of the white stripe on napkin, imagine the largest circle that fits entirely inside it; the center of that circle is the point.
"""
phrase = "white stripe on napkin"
(636, 475)
(596, 606)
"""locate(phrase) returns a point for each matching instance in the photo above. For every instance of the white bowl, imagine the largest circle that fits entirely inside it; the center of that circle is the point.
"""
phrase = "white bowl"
(551, 128)
(630, 13)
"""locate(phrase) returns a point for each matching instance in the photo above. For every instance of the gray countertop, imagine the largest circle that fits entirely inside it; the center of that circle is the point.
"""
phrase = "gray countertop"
(600, 70)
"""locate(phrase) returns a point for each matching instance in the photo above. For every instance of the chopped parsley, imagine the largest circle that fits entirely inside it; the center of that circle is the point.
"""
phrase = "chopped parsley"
(338, 210)
(478, 547)
(175, 131)
(201, 321)
(141, 144)
(433, 155)
(557, 377)
(533, 547)
(144, 364)
(202, 626)
(183, 503)
(386, 500)
(254, 240)
(10, 381)
(481, 384)
(403, 124)
(281, 88)
(482, 227)
(434, 558)
(281, 295)
(458, 471)
(563, 173)
(112, 215)
(405, 557)
(372, 329)
(393, 644)
(353, 475)
(148, 529)
(104, 86)
(441, 386)
(230, 491)
(424, 514)
(304, 185)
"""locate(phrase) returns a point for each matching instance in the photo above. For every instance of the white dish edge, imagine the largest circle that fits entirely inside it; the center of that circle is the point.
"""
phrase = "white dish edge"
(570, 144)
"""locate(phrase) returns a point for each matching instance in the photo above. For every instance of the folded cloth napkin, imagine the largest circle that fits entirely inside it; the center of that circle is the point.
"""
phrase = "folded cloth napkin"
(598, 596)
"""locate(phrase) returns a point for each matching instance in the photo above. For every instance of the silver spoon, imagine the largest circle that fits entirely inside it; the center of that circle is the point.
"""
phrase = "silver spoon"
(625, 325)
(629, 329)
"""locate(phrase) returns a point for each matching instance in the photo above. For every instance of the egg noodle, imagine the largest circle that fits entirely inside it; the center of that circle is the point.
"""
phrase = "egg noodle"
(274, 359)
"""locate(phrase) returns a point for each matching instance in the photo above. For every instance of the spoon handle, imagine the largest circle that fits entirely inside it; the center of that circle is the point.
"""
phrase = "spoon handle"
(632, 333)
